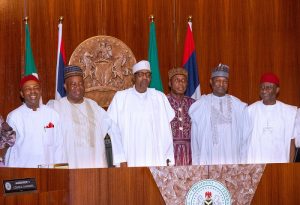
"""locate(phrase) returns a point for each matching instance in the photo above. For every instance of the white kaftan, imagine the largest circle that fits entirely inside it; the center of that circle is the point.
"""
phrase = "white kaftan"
(272, 131)
(217, 130)
(84, 127)
(144, 120)
(37, 141)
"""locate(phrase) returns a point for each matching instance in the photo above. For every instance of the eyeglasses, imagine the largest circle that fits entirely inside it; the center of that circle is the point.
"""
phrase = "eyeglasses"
(142, 74)
(267, 87)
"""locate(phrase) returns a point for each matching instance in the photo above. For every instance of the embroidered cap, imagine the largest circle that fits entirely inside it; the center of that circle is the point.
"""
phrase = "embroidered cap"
(72, 70)
(221, 70)
(177, 71)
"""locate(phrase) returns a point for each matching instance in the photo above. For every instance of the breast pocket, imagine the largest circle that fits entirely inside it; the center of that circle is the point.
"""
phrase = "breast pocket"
(49, 136)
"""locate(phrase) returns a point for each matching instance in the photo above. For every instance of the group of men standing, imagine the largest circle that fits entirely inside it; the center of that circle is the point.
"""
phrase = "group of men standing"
(148, 128)
(227, 131)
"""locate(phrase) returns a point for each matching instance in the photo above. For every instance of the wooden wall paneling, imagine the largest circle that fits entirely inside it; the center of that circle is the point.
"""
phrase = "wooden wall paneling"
(54, 198)
(81, 21)
(88, 186)
(84, 186)
(28, 199)
(84, 21)
(272, 45)
(133, 186)
(123, 184)
(152, 193)
(245, 35)
(11, 50)
(199, 12)
(296, 180)
(250, 36)
(113, 186)
(261, 42)
(278, 185)
(165, 35)
(286, 51)
(43, 32)
(53, 177)
(130, 23)
(11, 173)
(220, 36)
(52, 186)
(236, 49)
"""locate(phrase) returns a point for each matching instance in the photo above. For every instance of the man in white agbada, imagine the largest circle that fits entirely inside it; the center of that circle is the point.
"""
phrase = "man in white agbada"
(38, 141)
(217, 123)
(144, 115)
(273, 124)
(84, 124)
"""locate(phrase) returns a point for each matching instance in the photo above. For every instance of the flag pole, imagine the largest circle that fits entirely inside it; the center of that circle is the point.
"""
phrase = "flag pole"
(151, 17)
(190, 21)
(60, 63)
(26, 19)
(61, 19)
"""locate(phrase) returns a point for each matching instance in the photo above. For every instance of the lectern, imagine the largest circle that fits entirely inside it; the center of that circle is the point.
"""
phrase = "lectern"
(83, 187)
(279, 184)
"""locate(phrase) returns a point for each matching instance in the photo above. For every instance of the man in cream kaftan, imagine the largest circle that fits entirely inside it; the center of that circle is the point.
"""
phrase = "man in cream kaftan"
(84, 124)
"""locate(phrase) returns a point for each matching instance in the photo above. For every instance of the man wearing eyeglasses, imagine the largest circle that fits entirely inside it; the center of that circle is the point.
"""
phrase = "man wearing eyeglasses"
(143, 115)
(273, 125)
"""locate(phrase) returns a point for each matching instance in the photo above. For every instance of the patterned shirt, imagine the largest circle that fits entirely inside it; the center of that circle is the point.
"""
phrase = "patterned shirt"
(181, 129)
(7, 137)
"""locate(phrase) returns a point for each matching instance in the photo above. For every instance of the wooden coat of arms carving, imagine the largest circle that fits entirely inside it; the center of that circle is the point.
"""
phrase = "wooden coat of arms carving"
(107, 66)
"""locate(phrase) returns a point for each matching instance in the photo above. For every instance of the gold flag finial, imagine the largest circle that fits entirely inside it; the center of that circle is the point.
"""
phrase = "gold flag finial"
(26, 19)
(190, 18)
(61, 19)
(151, 17)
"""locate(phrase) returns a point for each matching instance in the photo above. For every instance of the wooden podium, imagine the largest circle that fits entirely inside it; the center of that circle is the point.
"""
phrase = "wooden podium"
(84, 187)
(280, 184)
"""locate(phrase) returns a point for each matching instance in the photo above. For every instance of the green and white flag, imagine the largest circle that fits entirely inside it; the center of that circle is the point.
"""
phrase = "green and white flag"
(30, 67)
(153, 59)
